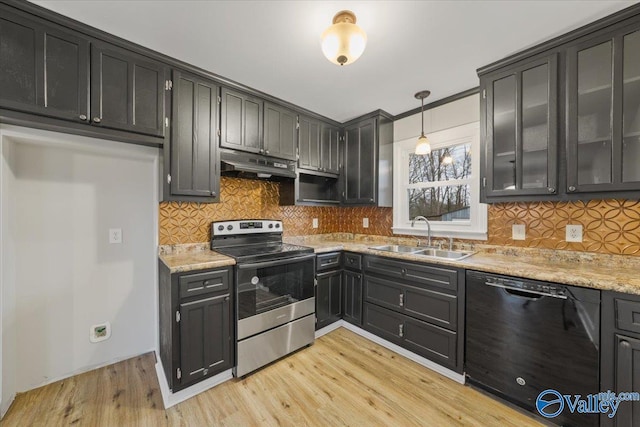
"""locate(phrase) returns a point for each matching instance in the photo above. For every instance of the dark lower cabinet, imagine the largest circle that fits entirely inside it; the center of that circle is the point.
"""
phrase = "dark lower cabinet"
(352, 282)
(196, 324)
(620, 355)
(204, 337)
(44, 69)
(422, 338)
(127, 90)
(328, 298)
(193, 153)
(416, 306)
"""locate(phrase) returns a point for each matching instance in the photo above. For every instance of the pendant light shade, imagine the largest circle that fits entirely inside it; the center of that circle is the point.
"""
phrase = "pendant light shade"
(423, 146)
(343, 42)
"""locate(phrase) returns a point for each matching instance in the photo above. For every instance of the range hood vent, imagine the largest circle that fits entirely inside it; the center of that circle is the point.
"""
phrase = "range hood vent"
(247, 165)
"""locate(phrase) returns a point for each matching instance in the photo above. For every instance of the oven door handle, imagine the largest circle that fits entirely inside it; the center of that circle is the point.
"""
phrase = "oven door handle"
(525, 291)
(275, 263)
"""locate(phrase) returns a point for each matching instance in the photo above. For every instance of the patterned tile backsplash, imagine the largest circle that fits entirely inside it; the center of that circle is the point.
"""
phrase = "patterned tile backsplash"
(609, 226)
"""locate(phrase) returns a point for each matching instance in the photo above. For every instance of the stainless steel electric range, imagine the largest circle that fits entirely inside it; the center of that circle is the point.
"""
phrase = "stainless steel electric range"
(275, 283)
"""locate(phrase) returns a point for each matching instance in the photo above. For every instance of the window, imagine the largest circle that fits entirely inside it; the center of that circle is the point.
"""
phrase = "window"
(442, 186)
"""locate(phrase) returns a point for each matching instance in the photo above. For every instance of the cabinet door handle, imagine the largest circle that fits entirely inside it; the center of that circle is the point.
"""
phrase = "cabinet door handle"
(261, 150)
(97, 119)
(401, 302)
(551, 190)
(403, 271)
(572, 188)
(625, 344)
(83, 117)
(226, 298)
(213, 194)
(401, 330)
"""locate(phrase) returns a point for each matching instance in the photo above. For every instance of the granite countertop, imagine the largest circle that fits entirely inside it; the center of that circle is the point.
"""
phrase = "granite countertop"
(605, 272)
(181, 258)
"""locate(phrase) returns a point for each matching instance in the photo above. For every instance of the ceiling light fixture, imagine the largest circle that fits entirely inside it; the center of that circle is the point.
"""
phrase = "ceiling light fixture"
(423, 146)
(344, 41)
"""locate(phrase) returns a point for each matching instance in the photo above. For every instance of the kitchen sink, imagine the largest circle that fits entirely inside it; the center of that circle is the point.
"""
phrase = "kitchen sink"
(427, 252)
(439, 253)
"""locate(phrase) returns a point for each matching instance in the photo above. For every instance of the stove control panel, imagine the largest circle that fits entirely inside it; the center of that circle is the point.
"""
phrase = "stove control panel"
(228, 228)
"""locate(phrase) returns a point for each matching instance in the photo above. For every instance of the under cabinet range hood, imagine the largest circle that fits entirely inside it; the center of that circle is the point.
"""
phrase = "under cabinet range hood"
(248, 165)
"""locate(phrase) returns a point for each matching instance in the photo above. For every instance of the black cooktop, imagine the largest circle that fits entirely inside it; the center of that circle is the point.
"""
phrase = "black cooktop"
(262, 252)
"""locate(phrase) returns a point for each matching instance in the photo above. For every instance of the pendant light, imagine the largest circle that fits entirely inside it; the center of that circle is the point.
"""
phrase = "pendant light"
(344, 41)
(423, 146)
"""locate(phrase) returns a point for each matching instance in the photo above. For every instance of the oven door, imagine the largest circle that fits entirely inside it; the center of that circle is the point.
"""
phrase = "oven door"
(273, 293)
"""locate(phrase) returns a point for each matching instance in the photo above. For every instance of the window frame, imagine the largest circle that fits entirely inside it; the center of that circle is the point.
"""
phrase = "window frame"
(476, 227)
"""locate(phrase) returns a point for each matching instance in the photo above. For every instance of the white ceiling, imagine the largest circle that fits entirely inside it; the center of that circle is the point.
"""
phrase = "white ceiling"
(274, 46)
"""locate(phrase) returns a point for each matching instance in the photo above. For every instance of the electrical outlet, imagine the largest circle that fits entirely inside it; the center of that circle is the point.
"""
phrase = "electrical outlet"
(115, 235)
(365, 222)
(518, 232)
(573, 233)
(315, 222)
(100, 332)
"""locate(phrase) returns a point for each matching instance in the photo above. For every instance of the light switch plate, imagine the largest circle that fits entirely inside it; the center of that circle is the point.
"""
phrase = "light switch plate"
(365, 222)
(115, 235)
(518, 232)
(573, 233)
(314, 221)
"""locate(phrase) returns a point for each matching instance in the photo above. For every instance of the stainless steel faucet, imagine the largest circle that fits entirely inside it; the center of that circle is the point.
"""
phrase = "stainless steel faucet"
(421, 218)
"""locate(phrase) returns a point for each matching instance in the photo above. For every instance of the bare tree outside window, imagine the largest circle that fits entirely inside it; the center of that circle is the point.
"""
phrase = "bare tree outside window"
(440, 202)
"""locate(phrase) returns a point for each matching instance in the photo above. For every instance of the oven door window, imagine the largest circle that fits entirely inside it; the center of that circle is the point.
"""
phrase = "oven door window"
(267, 286)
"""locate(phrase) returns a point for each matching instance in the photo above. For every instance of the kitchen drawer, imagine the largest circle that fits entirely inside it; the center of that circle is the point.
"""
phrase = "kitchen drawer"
(204, 283)
(627, 315)
(422, 338)
(329, 261)
(352, 261)
(425, 304)
(439, 277)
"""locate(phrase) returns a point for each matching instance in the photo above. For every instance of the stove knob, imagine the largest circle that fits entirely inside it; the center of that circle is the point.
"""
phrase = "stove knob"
(220, 227)
(278, 225)
(229, 227)
(270, 225)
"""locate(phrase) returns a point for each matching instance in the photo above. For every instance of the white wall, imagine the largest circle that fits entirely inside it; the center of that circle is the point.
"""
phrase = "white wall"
(452, 114)
(64, 193)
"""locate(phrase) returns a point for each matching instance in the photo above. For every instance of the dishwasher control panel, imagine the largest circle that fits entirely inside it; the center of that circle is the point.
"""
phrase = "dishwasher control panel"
(540, 288)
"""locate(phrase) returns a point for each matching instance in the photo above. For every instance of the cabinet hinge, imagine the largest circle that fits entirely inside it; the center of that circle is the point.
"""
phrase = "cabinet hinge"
(177, 316)
(219, 100)
(168, 85)
(219, 133)
(297, 123)
(484, 181)
(166, 122)
(168, 178)
(315, 282)
(178, 373)
(484, 94)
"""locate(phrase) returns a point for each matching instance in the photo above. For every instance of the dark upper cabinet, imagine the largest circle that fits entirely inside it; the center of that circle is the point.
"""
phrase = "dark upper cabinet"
(319, 146)
(127, 90)
(204, 337)
(241, 121)
(521, 129)
(603, 116)
(361, 163)
(309, 144)
(194, 157)
(43, 68)
(330, 149)
(280, 132)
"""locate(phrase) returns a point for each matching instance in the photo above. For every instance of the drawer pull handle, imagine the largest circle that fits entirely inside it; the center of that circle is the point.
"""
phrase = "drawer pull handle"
(403, 271)
(206, 283)
(401, 330)
(401, 303)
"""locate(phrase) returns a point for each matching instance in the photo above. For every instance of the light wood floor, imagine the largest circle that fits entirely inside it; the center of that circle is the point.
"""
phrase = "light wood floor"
(342, 380)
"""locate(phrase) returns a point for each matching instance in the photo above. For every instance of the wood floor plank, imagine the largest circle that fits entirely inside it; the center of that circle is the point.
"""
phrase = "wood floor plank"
(342, 380)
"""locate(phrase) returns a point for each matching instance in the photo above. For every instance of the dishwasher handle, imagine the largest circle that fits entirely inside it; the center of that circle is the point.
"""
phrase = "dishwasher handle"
(538, 294)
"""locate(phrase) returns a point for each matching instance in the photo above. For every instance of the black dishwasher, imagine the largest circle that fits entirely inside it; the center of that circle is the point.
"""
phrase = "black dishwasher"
(524, 337)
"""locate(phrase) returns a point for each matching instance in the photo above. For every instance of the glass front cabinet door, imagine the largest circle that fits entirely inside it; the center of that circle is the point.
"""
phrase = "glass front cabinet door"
(521, 129)
(603, 115)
